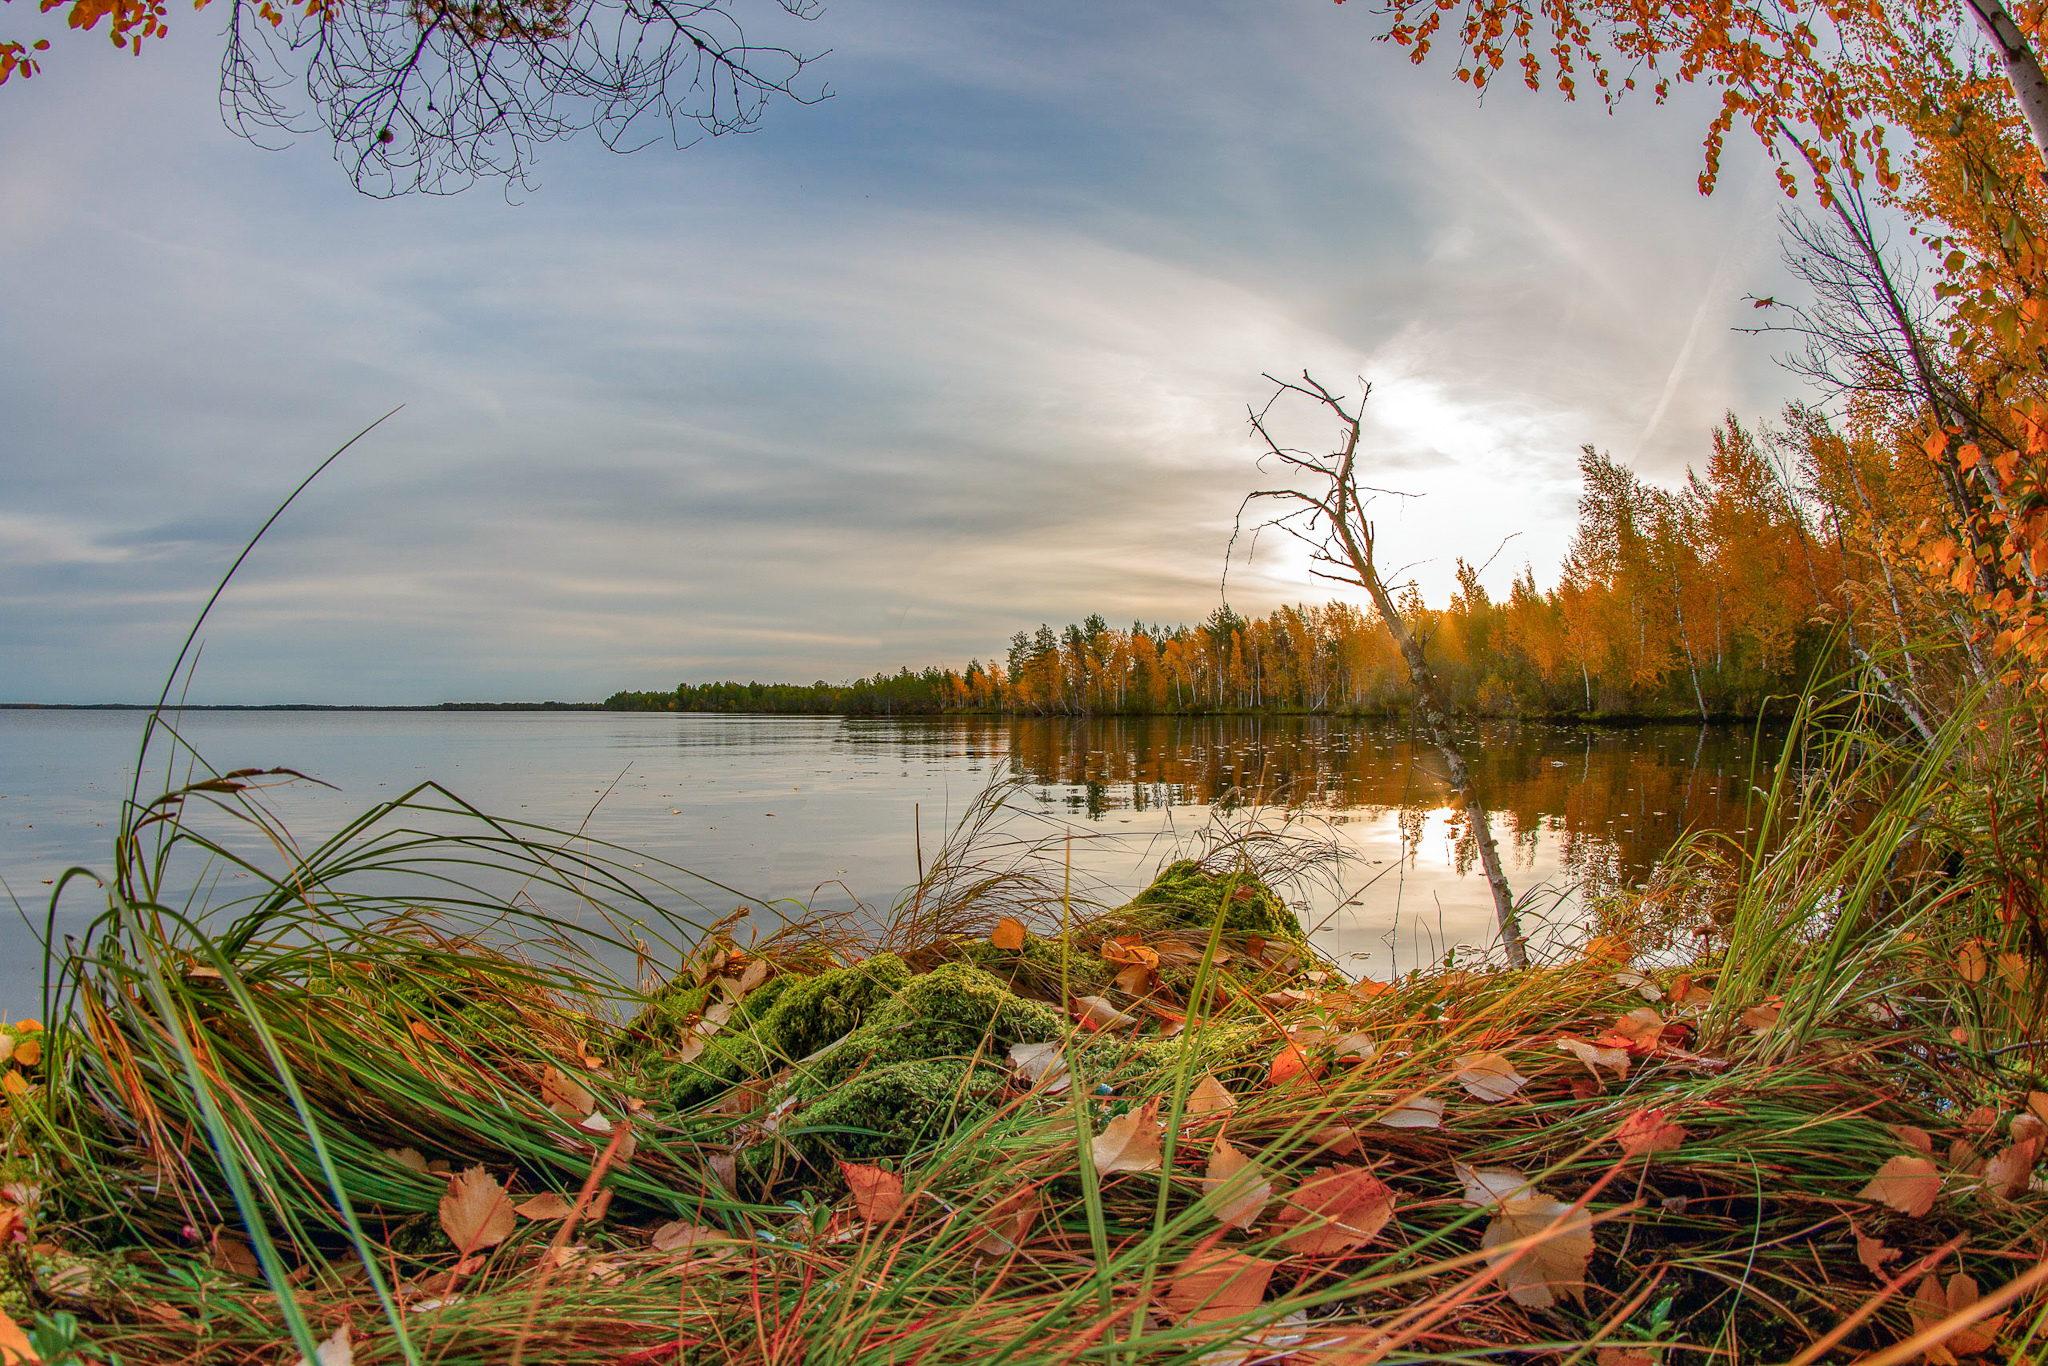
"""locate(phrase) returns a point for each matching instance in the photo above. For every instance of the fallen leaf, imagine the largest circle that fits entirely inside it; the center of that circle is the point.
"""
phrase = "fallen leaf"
(1007, 1221)
(14, 1344)
(1097, 1013)
(1607, 948)
(1359, 1046)
(2013, 968)
(411, 1158)
(1625, 1356)
(692, 1049)
(682, 1236)
(2026, 1126)
(756, 973)
(1130, 1142)
(1641, 1028)
(724, 1169)
(1488, 1076)
(1341, 1207)
(1340, 1139)
(1417, 1111)
(1235, 1188)
(565, 1095)
(476, 1213)
(1131, 951)
(1136, 980)
(1645, 987)
(1008, 935)
(1874, 1254)
(1761, 1017)
(1971, 962)
(1930, 1305)
(1648, 1131)
(1042, 1062)
(1208, 1096)
(1913, 1137)
(1595, 1057)
(1217, 1284)
(1289, 1063)
(2008, 1170)
(877, 1195)
(1555, 1265)
(28, 1053)
(2037, 1105)
(1907, 1184)
(338, 1350)
(237, 1258)
(1365, 989)
(548, 1205)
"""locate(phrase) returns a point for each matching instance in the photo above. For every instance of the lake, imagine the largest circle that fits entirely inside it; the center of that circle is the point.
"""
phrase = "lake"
(825, 809)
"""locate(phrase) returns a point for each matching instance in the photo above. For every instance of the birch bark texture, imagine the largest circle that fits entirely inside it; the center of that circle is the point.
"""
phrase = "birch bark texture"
(1329, 518)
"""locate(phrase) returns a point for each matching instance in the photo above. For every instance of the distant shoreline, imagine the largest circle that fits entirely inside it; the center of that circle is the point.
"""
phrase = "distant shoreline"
(308, 706)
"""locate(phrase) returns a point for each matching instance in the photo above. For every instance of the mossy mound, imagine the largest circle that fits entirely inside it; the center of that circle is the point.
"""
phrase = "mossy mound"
(893, 1110)
(1034, 971)
(1184, 897)
(781, 1022)
(954, 1011)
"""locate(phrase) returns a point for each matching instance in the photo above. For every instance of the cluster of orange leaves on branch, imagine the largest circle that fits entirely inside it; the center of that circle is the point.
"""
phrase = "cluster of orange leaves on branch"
(129, 22)
(1771, 63)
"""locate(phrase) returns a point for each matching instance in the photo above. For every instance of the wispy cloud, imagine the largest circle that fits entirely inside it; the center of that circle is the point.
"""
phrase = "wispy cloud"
(966, 348)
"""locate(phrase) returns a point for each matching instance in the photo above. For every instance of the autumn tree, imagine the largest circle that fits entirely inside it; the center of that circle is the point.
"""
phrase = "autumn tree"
(433, 95)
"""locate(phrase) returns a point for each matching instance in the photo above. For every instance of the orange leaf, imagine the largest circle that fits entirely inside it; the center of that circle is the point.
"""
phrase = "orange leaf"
(1008, 935)
(1343, 1208)
(14, 1345)
(1290, 1063)
(1874, 1254)
(877, 1195)
(1217, 1285)
(1648, 1131)
(1907, 1184)
(545, 1207)
(1007, 1221)
(1913, 1137)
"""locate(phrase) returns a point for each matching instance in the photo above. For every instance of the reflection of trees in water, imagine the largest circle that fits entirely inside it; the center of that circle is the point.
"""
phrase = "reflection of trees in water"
(1610, 801)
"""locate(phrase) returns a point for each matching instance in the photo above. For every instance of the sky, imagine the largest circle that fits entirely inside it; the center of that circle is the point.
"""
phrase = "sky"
(965, 347)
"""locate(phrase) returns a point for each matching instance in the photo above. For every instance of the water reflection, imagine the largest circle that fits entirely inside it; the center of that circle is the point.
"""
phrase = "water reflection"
(1575, 807)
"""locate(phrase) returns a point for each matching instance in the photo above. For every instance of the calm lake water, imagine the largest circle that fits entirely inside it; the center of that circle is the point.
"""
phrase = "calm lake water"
(825, 809)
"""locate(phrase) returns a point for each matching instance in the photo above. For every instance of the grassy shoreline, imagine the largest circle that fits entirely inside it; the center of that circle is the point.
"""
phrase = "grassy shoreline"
(1781, 1105)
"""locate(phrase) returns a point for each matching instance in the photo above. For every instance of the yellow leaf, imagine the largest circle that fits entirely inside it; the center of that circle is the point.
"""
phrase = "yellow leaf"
(1130, 1142)
(476, 1213)
(1971, 963)
(1008, 935)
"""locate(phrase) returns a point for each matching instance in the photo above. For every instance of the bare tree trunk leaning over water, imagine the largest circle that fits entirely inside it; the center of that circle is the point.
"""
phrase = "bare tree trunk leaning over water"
(1331, 522)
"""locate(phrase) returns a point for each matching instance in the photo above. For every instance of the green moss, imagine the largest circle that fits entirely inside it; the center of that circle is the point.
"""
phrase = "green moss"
(770, 1032)
(1034, 970)
(953, 1011)
(893, 1110)
(1184, 897)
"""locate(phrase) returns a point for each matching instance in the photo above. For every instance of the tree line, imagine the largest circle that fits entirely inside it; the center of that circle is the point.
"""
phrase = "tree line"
(1708, 600)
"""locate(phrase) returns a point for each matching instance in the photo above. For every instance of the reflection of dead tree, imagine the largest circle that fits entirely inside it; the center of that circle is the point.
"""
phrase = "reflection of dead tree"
(1330, 520)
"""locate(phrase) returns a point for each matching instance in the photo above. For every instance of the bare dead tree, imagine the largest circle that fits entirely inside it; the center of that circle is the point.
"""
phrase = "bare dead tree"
(430, 96)
(1329, 518)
